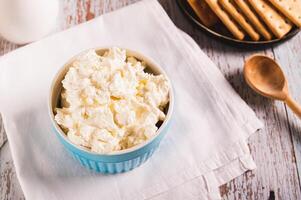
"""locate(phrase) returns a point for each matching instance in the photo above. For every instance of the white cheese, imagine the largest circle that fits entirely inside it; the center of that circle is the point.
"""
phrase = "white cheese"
(110, 103)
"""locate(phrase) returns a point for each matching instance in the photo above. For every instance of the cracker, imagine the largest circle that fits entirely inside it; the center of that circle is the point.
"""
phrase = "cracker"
(251, 16)
(204, 12)
(274, 20)
(226, 19)
(229, 6)
(290, 8)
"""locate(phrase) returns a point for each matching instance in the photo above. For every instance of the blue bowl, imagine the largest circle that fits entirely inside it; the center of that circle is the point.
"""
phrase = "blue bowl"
(117, 161)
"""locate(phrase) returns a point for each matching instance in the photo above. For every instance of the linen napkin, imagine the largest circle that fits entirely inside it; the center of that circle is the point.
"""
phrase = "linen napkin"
(205, 147)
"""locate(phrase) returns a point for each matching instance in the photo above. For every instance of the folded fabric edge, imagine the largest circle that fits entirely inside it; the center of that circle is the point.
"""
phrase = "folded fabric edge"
(251, 123)
(214, 173)
(227, 173)
(248, 119)
(15, 162)
(207, 185)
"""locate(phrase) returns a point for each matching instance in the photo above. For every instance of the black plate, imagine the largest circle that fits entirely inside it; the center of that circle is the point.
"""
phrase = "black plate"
(221, 33)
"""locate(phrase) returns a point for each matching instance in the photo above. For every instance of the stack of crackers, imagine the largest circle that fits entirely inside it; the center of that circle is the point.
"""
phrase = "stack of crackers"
(258, 19)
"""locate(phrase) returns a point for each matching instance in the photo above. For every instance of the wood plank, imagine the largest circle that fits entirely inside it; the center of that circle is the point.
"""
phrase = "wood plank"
(9, 185)
(289, 58)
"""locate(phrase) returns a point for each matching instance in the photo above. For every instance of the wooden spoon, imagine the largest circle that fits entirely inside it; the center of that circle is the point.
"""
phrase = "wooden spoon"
(265, 76)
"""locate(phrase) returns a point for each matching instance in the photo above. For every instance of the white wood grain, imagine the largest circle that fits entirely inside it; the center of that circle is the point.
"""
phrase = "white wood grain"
(289, 57)
(9, 186)
(276, 149)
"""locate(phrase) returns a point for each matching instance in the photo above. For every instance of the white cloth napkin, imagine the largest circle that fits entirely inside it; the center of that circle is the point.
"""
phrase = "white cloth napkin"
(204, 148)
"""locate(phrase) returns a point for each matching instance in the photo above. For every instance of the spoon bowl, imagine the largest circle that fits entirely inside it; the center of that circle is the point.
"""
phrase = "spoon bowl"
(265, 76)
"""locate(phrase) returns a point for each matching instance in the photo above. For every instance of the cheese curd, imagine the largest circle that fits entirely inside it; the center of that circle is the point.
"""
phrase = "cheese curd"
(110, 103)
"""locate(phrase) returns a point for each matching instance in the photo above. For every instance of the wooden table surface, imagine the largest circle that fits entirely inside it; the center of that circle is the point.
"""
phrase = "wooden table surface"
(276, 149)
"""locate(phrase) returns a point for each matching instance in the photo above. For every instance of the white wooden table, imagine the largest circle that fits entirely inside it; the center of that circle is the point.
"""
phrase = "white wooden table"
(276, 149)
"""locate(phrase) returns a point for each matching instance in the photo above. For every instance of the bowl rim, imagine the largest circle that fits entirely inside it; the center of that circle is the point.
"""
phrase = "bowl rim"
(150, 63)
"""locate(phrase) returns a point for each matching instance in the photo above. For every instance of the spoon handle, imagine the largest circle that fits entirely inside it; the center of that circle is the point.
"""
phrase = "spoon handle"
(296, 108)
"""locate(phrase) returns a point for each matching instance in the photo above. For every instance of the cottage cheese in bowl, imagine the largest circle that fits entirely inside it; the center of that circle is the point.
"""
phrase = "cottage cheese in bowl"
(110, 103)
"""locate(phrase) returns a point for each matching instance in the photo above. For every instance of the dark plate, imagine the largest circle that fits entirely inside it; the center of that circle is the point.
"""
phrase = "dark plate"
(220, 32)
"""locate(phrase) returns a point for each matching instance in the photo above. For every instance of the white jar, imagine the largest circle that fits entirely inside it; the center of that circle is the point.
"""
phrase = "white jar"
(24, 21)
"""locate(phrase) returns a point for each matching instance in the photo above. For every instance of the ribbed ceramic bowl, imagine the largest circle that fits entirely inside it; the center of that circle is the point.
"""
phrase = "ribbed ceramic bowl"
(114, 162)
